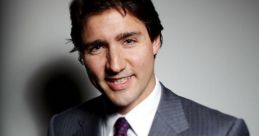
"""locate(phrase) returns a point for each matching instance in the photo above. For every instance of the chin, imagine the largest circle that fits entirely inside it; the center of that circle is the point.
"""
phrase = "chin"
(121, 103)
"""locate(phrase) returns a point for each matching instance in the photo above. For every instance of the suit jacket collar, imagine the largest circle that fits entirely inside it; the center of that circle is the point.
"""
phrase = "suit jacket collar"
(96, 111)
(170, 118)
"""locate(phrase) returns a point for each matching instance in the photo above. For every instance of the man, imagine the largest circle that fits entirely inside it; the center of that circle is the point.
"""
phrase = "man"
(117, 42)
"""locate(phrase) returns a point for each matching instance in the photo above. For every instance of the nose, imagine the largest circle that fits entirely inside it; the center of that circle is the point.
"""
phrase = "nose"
(115, 60)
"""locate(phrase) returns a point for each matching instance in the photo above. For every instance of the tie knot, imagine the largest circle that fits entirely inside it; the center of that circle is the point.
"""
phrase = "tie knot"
(121, 127)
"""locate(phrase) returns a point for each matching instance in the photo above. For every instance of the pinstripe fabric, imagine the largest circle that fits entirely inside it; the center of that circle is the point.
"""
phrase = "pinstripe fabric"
(176, 116)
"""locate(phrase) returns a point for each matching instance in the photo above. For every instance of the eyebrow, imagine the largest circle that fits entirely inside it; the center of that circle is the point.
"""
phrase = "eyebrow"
(126, 35)
(93, 43)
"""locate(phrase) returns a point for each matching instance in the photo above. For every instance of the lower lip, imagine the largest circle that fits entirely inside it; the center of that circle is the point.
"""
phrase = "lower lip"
(119, 86)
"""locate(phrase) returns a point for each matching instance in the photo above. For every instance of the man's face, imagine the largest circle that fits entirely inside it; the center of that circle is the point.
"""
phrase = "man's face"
(119, 57)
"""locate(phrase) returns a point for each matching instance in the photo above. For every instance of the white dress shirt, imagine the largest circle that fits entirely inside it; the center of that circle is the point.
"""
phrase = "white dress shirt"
(140, 117)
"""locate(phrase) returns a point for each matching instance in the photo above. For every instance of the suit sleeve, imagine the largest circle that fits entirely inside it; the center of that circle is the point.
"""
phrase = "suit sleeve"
(238, 128)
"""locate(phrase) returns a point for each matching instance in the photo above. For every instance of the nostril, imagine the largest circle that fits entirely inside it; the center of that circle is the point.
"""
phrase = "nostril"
(110, 72)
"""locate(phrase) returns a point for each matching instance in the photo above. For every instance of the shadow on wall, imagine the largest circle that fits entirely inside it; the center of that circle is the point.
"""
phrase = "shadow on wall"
(55, 87)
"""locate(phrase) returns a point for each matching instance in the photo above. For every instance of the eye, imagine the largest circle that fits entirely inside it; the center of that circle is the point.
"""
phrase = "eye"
(95, 49)
(129, 42)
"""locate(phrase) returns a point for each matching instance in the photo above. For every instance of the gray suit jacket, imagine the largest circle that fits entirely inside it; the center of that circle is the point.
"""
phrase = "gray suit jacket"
(176, 116)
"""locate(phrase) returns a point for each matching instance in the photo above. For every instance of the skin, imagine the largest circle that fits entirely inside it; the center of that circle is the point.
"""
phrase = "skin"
(119, 57)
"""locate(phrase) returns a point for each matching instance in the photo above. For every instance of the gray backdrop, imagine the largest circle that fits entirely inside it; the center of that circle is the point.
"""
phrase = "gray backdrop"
(210, 55)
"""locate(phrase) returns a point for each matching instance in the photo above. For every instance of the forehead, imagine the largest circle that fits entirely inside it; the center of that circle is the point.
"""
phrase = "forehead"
(111, 22)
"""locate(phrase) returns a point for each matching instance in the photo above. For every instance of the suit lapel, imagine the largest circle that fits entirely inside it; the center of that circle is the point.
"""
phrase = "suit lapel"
(170, 118)
(90, 124)
(89, 128)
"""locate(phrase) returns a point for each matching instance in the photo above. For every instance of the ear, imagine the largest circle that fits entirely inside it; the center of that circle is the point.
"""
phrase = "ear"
(156, 45)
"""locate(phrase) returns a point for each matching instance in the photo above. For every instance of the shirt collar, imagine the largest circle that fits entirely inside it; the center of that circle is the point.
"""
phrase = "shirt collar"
(140, 117)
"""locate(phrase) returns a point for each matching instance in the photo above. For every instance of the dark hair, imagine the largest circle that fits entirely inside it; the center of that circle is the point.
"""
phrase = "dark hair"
(80, 10)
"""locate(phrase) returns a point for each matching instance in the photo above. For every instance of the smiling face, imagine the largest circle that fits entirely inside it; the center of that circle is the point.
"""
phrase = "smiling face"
(119, 57)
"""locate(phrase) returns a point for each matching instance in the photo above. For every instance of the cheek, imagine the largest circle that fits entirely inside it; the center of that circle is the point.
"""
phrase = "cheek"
(142, 58)
(94, 67)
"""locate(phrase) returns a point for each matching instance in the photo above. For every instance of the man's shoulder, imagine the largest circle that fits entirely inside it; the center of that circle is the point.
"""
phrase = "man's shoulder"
(215, 121)
(206, 119)
(70, 121)
(194, 109)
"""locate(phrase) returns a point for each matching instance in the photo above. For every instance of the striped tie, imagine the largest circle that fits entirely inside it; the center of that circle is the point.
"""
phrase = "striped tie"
(121, 127)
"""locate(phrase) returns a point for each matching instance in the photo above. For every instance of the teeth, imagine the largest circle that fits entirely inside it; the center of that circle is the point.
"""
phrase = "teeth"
(121, 80)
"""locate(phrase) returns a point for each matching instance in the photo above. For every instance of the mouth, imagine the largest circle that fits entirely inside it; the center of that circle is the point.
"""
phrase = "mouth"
(118, 83)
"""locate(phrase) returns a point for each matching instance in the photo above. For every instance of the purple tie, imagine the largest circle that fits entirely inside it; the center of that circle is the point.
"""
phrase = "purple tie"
(121, 127)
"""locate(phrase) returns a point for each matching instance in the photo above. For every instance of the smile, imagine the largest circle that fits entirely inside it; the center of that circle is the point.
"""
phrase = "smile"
(120, 80)
(118, 83)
